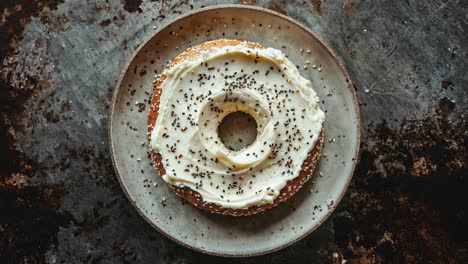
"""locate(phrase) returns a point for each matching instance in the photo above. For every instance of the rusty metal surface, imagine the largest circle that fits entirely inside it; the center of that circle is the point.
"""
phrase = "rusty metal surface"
(60, 200)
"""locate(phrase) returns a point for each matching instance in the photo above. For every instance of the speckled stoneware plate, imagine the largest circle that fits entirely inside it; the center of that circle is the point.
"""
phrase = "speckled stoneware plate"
(226, 235)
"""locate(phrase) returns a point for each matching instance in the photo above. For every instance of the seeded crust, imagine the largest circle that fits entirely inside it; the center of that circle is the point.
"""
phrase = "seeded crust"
(194, 197)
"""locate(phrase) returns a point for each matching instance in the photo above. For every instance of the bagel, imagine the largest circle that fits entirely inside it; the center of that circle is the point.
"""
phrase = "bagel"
(203, 85)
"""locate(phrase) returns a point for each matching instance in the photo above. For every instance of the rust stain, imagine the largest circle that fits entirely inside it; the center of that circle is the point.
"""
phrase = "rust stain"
(318, 5)
(348, 7)
(445, 84)
(31, 215)
(408, 195)
(133, 6)
(105, 23)
(422, 167)
(31, 221)
(446, 106)
(273, 5)
(15, 15)
(11, 101)
(16, 180)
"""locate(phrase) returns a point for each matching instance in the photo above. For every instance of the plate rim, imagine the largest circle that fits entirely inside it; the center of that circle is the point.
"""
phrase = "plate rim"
(351, 87)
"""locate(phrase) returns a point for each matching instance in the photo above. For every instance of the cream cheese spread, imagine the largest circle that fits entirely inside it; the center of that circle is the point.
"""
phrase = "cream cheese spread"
(199, 92)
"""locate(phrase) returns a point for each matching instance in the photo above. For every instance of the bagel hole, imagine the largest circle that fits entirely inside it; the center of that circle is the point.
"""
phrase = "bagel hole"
(237, 130)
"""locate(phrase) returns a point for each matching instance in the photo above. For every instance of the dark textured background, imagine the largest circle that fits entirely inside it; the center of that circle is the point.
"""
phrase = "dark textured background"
(60, 201)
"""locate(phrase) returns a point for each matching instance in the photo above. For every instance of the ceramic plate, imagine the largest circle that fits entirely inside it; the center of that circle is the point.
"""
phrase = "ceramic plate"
(226, 235)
